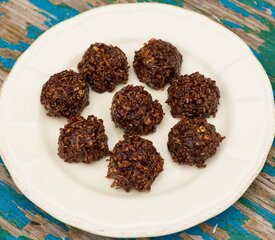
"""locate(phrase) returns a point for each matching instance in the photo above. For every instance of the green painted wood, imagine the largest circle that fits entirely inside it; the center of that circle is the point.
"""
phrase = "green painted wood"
(252, 217)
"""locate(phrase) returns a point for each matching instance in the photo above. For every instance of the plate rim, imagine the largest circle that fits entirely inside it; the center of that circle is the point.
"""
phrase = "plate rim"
(24, 188)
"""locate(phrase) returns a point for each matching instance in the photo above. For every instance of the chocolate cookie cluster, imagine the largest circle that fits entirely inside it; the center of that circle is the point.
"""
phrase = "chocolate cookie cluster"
(134, 163)
(104, 66)
(193, 95)
(83, 140)
(192, 141)
(157, 63)
(65, 94)
(134, 110)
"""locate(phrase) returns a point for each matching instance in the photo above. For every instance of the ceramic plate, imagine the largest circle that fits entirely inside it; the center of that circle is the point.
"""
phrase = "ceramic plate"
(181, 196)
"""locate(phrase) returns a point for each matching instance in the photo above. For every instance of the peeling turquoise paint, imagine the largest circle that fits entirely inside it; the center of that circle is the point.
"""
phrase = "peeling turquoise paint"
(54, 12)
(13, 205)
(168, 237)
(15, 238)
(232, 221)
(231, 24)
(179, 3)
(260, 5)
(9, 210)
(20, 46)
(236, 8)
(270, 170)
(266, 51)
(7, 63)
(268, 216)
(5, 235)
(255, 52)
(52, 237)
(4, 1)
(51, 21)
(197, 231)
(33, 32)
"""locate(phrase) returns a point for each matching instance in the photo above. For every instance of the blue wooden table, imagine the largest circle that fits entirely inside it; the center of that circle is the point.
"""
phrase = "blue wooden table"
(252, 217)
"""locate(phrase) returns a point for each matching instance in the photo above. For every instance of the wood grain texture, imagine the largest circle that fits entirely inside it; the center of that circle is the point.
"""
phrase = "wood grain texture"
(252, 217)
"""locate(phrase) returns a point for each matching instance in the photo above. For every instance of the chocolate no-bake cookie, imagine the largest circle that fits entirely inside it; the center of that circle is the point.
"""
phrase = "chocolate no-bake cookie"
(192, 141)
(82, 140)
(104, 66)
(193, 96)
(134, 110)
(134, 164)
(157, 63)
(65, 94)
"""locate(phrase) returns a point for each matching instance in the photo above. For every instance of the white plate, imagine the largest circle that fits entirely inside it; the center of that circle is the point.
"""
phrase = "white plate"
(181, 196)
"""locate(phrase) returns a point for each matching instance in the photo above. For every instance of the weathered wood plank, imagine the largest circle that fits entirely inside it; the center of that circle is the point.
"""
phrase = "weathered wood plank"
(252, 217)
